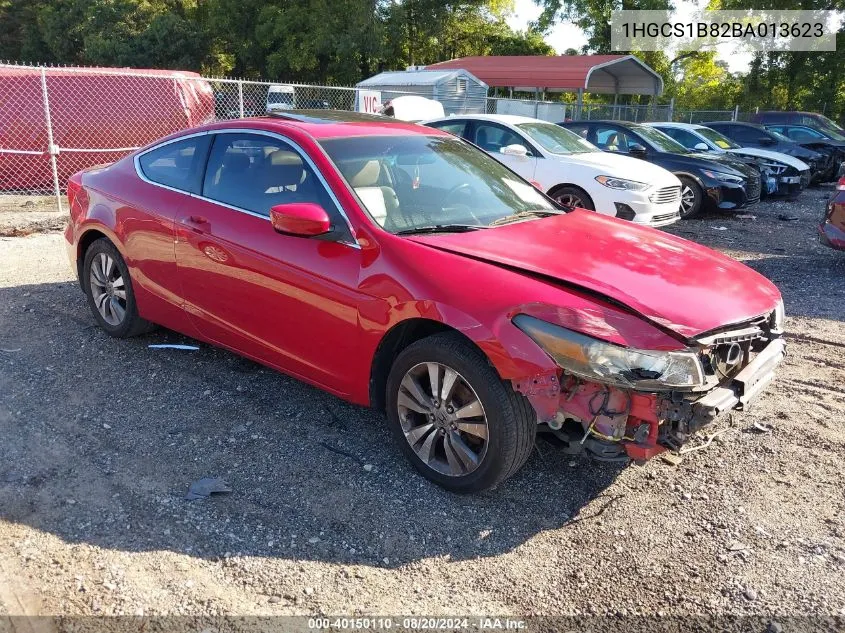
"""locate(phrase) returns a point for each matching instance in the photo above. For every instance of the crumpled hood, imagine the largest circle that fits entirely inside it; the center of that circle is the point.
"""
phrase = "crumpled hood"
(683, 286)
(764, 153)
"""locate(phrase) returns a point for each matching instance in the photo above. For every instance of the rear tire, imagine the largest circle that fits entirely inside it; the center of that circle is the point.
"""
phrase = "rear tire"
(572, 196)
(108, 287)
(692, 197)
(476, 436)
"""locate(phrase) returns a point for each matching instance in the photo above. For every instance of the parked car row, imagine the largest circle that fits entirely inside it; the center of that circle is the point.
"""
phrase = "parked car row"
(400, 267)
(572, 170)
(782, 174)
(722, 166)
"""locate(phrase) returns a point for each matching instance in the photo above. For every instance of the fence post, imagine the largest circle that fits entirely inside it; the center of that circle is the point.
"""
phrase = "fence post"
(50, 146)
(736, 113)
(241, 96)
(671, 109)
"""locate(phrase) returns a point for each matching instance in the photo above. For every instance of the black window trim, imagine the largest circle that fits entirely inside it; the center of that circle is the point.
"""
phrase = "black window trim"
(293, 144)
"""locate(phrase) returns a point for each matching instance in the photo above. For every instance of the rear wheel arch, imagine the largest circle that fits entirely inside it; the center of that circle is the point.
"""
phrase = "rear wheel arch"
(86, 239)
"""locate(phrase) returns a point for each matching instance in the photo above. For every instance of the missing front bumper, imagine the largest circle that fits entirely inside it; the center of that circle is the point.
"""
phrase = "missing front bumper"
(736, 394)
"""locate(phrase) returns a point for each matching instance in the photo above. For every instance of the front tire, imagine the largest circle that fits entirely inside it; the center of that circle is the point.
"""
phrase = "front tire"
(692, 197)
(458, 423)
(108, 288)
(571, 196)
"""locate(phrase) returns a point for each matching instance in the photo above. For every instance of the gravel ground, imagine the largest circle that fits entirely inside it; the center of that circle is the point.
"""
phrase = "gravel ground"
(100, 440)
(24, 215)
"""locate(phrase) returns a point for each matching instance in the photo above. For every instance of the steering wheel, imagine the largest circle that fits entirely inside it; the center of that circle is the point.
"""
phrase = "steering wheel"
(464, 189)
(461, 190)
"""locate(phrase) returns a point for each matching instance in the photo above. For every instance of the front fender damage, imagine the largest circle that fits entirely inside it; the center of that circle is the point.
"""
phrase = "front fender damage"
(609, 422)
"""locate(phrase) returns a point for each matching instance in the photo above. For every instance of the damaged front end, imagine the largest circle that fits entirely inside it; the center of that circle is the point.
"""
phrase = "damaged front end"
(620, 403)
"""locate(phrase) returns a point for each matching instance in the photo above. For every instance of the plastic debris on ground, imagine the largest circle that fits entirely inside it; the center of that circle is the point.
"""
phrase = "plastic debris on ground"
(173, 346)
(206, 487)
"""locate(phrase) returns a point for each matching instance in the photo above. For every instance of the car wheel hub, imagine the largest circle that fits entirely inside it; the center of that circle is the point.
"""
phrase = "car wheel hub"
(570, 200)
(449, 432)
(687, 198)
(108, 289)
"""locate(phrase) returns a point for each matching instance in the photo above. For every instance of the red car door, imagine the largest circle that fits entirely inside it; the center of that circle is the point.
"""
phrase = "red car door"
(167, 176)
(289, 301)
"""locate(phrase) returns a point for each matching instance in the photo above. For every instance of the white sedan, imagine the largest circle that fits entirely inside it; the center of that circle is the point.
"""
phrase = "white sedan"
(572, 170)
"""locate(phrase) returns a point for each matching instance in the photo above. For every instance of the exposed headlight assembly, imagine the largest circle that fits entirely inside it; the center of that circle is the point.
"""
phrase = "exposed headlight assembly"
(590, 358)
(774, 168)
(721, 176)
(621, 183)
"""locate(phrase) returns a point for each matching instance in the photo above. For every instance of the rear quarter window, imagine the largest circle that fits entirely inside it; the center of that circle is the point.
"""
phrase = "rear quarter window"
(177, 164)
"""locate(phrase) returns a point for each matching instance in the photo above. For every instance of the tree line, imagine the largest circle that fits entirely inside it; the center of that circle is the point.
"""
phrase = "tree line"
(343, 41)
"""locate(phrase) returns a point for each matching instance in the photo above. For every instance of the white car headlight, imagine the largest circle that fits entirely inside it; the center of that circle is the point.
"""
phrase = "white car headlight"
(621, 183)
(590, 358)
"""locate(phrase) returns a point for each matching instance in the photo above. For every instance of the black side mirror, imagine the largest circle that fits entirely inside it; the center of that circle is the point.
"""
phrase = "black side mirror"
(766, 140)
(637, 150)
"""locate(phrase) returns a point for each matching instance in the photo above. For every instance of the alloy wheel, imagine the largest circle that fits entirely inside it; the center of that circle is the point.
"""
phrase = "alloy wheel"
(108, 289)
(570, 200)
(443, 419)
(687, 199)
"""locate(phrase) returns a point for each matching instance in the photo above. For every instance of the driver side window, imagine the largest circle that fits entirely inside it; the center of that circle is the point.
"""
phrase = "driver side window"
(492, 138)
(682, 136)
(611, 140)
(802, 134)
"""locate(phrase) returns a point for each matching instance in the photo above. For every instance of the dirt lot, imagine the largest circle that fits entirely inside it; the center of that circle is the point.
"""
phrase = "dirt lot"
(24, 215)
(100, 439)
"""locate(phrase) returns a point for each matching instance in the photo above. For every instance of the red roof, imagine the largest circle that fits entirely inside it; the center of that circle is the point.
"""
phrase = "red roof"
(594, 73)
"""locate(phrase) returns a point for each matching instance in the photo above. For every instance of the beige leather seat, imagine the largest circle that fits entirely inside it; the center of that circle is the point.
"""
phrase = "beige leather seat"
(283, 171)
(365, 178)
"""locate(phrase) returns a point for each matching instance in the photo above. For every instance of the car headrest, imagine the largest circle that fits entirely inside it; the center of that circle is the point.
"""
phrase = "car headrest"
(363, 173)
(284, 157)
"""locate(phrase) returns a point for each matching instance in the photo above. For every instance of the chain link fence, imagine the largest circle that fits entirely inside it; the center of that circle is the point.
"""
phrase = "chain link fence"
(55, 121)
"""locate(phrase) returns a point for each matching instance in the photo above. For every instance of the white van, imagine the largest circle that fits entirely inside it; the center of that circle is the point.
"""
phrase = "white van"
(279, 98)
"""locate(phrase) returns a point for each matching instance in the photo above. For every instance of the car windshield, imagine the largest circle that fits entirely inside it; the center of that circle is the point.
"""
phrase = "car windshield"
(414, 183)
(659, 141)
(557, 140)
(827, 125)
(719, 140)
(832, 134)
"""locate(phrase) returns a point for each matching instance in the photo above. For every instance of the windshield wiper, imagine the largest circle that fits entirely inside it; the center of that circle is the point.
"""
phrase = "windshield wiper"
(441, 228)
(540, 213)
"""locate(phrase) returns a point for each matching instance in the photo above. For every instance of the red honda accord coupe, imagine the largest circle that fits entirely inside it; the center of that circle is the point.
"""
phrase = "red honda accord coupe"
(398, 266)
